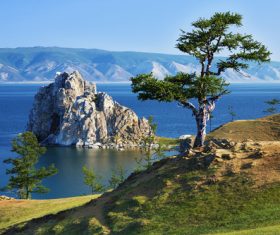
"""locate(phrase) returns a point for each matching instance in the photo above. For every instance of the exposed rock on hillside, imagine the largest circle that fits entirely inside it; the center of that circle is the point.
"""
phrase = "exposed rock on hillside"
(4, 198)
(185, 143)
(71, 112)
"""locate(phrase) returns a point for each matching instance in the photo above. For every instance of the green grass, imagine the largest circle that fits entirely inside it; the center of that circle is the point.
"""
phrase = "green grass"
(167, 141)
(85, 226)
(18, 211)
(269, 230)
(227, 206)
(217, 210)
(175, 196)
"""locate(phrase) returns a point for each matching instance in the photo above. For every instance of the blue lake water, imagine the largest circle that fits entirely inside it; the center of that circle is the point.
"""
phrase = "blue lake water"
(247, 101)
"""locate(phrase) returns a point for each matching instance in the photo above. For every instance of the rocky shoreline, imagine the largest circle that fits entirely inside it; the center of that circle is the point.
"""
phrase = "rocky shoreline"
(6, 198)
(70, 112)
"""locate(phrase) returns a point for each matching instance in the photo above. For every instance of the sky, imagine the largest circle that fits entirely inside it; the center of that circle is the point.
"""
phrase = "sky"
(127, 25)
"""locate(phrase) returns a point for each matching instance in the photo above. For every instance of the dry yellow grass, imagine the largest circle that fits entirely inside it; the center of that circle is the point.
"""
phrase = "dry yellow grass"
(263, 129)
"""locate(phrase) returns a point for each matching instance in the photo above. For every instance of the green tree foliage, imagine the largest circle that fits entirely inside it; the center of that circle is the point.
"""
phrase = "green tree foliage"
(205, 42)
(272, 109)
(91, 180)
(25, 178)
(150, 139)
(118, 176)
(231, 113)
(151, 154)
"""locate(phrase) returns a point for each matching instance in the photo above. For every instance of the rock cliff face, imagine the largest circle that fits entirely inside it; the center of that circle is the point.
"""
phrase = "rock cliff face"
(71, 112)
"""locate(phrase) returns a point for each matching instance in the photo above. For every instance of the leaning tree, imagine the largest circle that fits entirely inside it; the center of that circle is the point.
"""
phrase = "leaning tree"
(199, 91)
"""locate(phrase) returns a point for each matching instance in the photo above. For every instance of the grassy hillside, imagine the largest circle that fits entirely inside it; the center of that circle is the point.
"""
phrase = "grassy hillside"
(226, 188)
(263, 129)
(17, 211)
(212, 191)
(171, 142)
(270, 230)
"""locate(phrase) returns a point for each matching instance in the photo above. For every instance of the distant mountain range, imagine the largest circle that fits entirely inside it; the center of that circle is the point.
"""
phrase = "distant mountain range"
(38, 64)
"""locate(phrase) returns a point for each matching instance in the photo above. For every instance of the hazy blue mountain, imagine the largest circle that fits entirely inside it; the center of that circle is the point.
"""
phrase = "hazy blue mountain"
(41, 64)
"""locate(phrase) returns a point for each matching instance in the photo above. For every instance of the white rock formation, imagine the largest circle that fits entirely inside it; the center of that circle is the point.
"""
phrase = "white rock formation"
(71, 112)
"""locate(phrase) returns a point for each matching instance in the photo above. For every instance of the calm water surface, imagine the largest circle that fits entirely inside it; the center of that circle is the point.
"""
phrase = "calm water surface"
(247, 101)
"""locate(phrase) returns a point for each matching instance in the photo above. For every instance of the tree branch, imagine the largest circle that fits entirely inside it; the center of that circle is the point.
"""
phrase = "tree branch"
(210, 108)
(202, 68)
(189, 105)
(211, 56)
(218, 73)
(215, 97)
(210, 102)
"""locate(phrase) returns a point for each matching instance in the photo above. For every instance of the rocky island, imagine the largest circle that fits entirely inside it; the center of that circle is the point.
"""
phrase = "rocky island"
(70, 111)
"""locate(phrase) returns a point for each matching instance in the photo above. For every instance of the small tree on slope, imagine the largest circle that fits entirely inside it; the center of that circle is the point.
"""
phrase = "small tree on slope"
(25, 178)
(91, 180)
(208, 39)
(272, 109)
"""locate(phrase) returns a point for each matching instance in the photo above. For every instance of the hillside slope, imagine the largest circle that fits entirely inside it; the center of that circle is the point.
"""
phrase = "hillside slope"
(262, 129)
(17, 211)
(36, 64)
(224, 187)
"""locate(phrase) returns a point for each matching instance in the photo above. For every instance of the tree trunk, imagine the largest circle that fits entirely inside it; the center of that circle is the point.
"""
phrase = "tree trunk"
(201, 121)
(27, 193)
